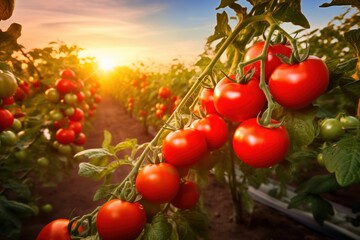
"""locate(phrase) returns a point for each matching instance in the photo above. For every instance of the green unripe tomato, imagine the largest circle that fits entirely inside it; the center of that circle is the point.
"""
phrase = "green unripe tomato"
(65, 149)
(52, 95)
(320, 159)
(56, 115)
(21, 155)
(331, 129)
(8, 84)
(69, 111)
(70, 98)
(17, 125)
(350, 122)
(8, 138)
(55, 144)
(47, 208)
(43, 161)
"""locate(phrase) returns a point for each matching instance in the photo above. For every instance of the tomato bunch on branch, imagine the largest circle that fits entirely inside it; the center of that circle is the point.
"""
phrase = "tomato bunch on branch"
(262, 118)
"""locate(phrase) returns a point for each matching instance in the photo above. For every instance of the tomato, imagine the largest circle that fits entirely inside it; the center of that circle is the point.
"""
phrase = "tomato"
(118, 219)
(75, 126)
(43, 161)
(331, 129)
(56, 115)
(47, 208)
(320, 159)
(272, 61)
(80, 96)
(187, 196)
(69, 111)
(296, 86)
(52, 95)
(65, 136)
(67, 73)
(21, 155)
(238, 102)
(80, 139)
(214, 129)
(8, 84)
(8, 138)
(65, 149)
(159, 113)
(77, 116)
(97, 98)
(258, 146)
(207, 101)
(158, 183)
(164, 92)
(64, 86)
(184, 147)
(349, 122)
(7, 101)
(55, 230)
(7, 119)
(17, 125)
(19, 95)
(70, 98)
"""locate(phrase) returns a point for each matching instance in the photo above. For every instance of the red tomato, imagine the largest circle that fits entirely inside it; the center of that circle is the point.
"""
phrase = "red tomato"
(158, 183)
(187, 196)
(19, 94)
(64, 86)
(67, 73)
(207, 101)
(118, 219)
(238, 102)
(55, 230)
(65, 136)
(296, 86)
(75, 126)
(272, 61)
(214, 129)
(184, 147)
(164, 92)
(77, 116)
(159, 113)
(258, 146)
(80, 139)
(6, 119)
(7, 101)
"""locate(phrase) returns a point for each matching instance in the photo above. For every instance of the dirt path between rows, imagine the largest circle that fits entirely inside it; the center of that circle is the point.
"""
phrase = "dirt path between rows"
(73, 196)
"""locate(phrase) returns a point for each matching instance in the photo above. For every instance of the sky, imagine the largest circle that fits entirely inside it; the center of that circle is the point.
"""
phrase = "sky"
(121, 32)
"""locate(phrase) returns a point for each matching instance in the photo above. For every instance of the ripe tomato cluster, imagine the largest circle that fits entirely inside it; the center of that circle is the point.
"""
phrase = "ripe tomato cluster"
(240, 100)
(73, 103)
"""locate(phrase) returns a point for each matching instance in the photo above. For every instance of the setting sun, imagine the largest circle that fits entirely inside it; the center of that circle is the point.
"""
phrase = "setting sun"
(106, 63)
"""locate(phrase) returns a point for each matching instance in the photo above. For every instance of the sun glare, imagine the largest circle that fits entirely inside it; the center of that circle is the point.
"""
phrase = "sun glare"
(106, 64)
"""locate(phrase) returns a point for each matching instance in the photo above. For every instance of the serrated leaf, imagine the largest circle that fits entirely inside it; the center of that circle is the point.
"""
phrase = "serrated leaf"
(94, 153)
(222, 28)
(300, 125)
(343, 159)
(290, 11)
(6, 9)
(159, 229)
(90, 170)
(198, 221)
(353, 37)
(352, 88)
(104, 192)
(341, 2)
(184, 230)
(319, 184)
(127, 144)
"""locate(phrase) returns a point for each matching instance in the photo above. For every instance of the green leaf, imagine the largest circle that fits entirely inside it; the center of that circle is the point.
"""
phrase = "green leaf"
(10, 227)
(104, 192)
(299, 124)
(94, 153)
(198, 221)
(319, 184)
(18, 208)
(107, 140)
(343, 159)
(299, 201)
(225, 3)
(247, 202)
(127, 144)
(353, 37)
(222, 28)
(21, 190)
(90, 170)
(355, 3)
(159, 229)
(321, 209)
(6, 9)
(184, 230)
(290, 11)
(352, 88)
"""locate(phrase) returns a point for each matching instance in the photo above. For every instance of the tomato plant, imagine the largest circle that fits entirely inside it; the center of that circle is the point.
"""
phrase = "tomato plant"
(119, 219)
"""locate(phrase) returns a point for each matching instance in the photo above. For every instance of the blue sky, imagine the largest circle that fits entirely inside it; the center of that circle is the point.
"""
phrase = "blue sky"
(124, 31)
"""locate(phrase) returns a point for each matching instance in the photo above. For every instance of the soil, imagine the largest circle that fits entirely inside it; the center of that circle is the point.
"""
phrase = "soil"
(73, 195)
